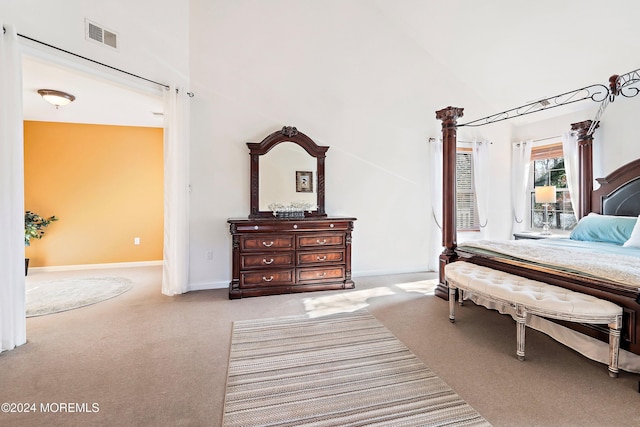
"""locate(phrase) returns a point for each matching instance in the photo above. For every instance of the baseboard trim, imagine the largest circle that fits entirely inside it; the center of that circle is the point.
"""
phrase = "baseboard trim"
(207, 286)
(97, 266)
(369, 273)
(224, 284)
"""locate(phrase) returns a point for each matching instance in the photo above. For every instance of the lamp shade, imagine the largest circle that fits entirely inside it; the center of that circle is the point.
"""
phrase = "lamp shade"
(546, 194)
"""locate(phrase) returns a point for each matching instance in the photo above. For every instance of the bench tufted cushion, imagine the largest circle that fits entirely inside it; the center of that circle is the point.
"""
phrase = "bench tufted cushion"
(530, 297)
(536, 296)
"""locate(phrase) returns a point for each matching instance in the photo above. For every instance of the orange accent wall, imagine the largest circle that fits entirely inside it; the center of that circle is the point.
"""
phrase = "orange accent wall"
(105, 183)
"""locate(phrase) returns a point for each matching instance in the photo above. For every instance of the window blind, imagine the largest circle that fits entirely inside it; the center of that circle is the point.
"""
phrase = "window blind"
(466, 205)
(549, 151)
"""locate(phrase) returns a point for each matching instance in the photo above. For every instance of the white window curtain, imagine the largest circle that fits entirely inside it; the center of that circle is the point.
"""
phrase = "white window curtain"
(435, 162)
(13, 331)
(481, 179)
(570, 153)
(520, 167)
(175, 273)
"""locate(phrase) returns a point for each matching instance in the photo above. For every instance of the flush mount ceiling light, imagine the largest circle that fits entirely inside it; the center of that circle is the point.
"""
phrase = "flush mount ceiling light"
(56, 97)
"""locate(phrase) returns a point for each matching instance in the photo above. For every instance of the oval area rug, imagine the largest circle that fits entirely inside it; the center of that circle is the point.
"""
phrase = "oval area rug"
(67, 294)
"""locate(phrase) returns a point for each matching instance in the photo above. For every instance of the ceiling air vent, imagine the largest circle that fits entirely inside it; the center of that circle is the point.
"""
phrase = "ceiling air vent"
(100, 35)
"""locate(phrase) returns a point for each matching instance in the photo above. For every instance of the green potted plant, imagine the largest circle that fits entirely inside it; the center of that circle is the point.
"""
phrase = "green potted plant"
(34, 226)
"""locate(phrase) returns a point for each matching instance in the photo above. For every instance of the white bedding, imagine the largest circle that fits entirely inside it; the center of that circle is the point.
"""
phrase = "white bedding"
(602, 260)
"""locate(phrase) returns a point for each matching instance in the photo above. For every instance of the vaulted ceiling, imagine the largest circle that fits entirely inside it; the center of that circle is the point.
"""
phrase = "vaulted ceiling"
(507, 52)
(515, 52)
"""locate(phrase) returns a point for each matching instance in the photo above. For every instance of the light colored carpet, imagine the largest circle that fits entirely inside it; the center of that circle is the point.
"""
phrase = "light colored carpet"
(344, 369)
(67, 294)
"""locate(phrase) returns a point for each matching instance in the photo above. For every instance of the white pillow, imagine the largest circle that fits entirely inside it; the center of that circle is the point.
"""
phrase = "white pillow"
(634, 240)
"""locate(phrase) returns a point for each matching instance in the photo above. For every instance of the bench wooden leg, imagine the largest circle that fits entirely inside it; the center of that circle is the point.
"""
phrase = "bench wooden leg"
(452, 304)
(521, 322)
(614, 346)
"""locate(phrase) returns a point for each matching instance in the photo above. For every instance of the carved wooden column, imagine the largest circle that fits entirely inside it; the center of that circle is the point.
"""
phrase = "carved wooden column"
(255, 185)
(449, 117)
(585, 166)
(321, 185)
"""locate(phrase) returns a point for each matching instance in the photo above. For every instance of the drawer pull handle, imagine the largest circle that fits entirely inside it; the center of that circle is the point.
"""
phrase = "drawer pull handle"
(321, 242)
(267, 262)
(267, 280)
(268, 245)
(321, 258)
(324, 273)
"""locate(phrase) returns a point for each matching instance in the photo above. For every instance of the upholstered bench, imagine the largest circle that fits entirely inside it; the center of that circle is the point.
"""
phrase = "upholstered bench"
(530, 297)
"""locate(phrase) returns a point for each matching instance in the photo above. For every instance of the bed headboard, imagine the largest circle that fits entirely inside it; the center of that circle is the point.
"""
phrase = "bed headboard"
(619, 192)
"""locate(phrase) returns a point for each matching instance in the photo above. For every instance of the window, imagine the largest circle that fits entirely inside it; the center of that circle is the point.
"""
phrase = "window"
(547, 168)
(466, 206)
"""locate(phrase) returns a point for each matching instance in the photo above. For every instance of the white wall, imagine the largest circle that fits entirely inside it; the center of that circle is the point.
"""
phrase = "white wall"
(362, 87)
(616, 140)
(342, 74)
(152, 34)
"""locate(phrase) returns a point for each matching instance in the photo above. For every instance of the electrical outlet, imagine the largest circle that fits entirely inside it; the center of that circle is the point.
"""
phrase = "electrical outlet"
(136, 240)
(209, 255)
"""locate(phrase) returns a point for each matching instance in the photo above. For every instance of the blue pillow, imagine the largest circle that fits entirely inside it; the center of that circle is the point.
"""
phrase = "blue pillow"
(604, 228)
(634, 240)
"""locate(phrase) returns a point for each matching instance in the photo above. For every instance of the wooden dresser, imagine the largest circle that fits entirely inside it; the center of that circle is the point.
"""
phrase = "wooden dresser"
(277, 256)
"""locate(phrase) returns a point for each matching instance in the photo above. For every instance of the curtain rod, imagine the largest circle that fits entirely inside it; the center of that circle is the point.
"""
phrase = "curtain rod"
(540, 139)
(595, 92)
(432, 139)
(96, 62)
(548, 138)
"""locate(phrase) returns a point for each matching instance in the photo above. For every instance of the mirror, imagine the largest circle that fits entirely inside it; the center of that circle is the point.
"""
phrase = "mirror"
(287, 175)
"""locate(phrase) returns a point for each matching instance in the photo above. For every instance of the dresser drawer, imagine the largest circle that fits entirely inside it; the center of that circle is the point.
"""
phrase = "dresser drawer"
(320, 240)
(262, 243)
(266, 278)
(320, 274)
(275, 255)
(271, 260)
(320, 257)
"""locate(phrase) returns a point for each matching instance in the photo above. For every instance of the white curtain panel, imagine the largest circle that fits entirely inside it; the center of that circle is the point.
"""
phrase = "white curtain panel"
(175, 273)
(570, 153)
(520, 167)
(12, 282)
(435, 163)
(481, 179)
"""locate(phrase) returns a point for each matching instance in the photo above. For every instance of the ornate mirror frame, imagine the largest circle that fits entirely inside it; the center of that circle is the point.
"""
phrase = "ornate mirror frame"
(286, 134)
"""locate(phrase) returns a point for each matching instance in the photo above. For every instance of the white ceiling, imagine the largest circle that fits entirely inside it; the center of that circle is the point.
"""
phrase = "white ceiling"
(511, 53)
(98, 100)
(508, 53)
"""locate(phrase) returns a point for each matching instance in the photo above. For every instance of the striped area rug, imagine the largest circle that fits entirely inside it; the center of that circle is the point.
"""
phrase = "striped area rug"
(345, 369)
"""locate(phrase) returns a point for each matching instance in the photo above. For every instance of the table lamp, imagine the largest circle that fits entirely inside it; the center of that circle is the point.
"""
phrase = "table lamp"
(546, 195)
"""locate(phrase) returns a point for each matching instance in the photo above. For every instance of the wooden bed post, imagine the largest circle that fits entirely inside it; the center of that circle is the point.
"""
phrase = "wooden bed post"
(585, 166)
(449, 117)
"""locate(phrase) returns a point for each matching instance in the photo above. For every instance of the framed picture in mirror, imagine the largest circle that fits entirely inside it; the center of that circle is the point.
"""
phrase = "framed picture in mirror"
(304, 182)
